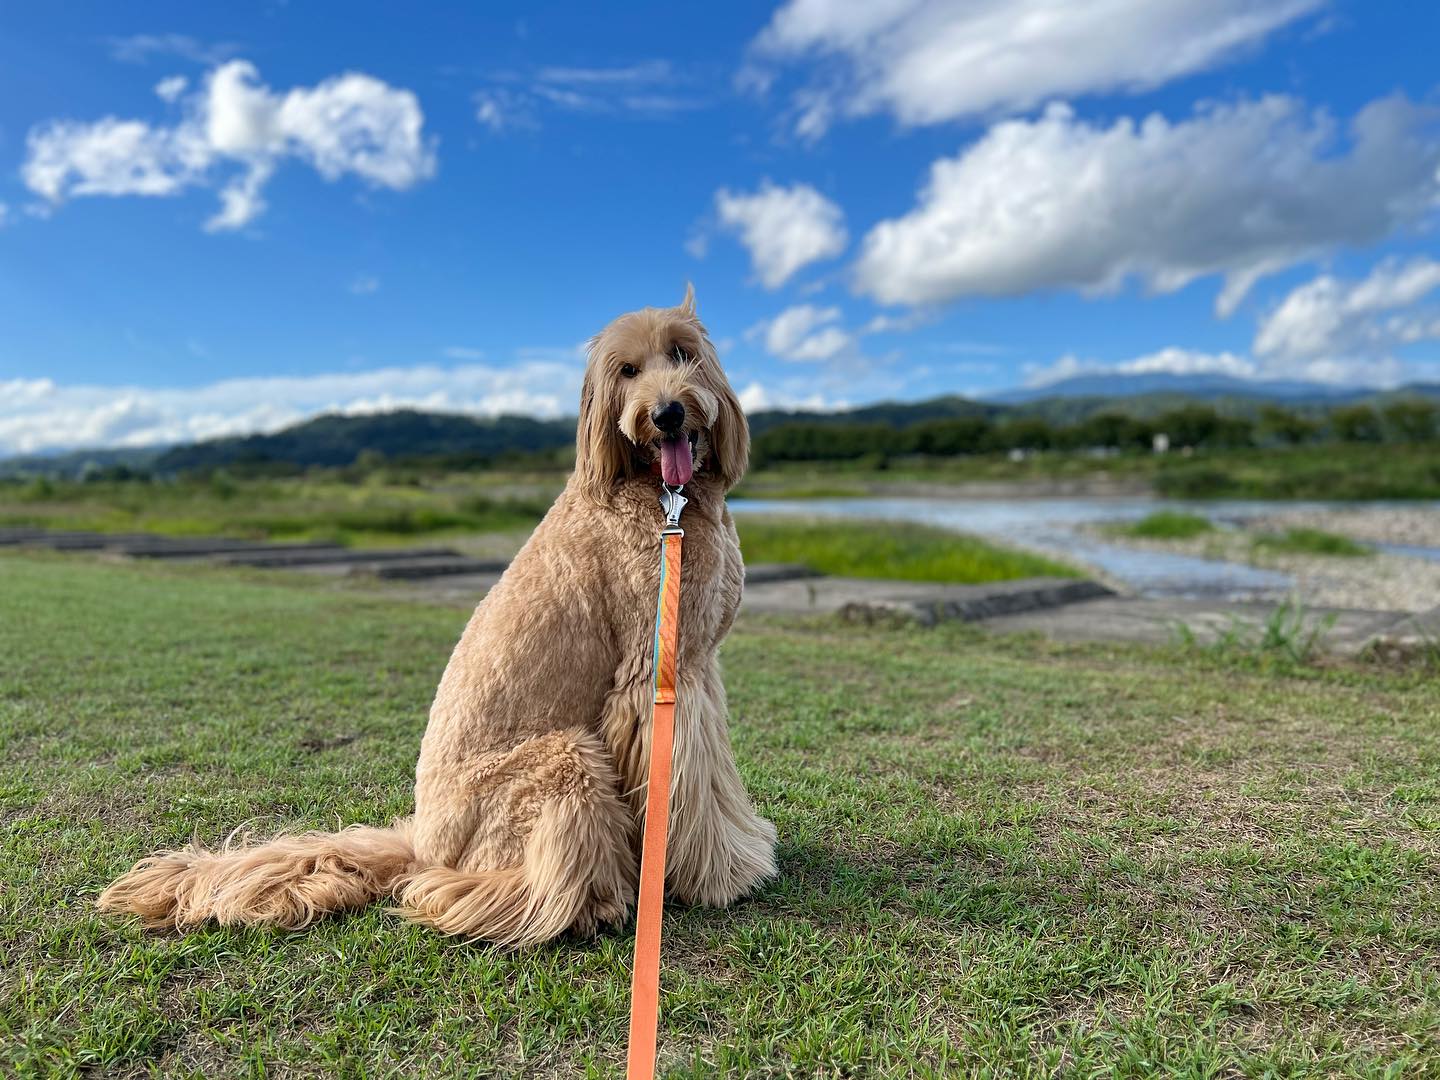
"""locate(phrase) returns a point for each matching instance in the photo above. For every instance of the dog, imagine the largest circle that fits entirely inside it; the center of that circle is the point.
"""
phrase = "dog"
(530, 787)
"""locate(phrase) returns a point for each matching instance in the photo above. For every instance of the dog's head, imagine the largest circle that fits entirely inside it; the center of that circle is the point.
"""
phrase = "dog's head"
(655, 398)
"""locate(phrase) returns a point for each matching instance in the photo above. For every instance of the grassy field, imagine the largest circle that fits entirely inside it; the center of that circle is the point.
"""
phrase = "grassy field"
(362, 510)
(887, 549)
(999, 857)
(484, 516)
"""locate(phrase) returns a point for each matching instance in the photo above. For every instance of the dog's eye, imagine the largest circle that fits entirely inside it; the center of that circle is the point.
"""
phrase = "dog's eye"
(679, 355)
(629, 371)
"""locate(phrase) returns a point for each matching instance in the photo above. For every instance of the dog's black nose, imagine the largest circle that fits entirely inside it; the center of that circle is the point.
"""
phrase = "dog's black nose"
(669, 418)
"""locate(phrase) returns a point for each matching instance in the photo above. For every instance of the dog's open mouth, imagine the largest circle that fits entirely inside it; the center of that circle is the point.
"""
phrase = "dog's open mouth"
(677, 459)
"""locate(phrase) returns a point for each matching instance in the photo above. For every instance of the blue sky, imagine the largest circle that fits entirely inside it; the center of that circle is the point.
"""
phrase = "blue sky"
(220, 219)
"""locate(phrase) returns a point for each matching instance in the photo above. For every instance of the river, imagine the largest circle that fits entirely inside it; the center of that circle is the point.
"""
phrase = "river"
(1056, 526)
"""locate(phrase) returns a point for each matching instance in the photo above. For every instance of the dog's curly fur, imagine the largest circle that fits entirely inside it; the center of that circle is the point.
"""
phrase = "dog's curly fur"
(530, 789)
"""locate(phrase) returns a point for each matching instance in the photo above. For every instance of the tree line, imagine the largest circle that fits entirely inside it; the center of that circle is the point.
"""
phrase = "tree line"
(1407, 420)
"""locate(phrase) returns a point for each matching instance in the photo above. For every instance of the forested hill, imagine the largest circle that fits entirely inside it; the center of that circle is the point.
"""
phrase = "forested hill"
(405, 433)
(896, 414)
(465, 440)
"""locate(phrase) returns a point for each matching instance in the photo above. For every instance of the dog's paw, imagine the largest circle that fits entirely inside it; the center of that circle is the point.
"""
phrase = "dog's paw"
(733, 868)
(755, 862)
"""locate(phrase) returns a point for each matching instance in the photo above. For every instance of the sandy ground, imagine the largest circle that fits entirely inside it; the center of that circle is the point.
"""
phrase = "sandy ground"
(1379, 582)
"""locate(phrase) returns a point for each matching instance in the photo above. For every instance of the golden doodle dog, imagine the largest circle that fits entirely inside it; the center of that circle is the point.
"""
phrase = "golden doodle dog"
(530, 789)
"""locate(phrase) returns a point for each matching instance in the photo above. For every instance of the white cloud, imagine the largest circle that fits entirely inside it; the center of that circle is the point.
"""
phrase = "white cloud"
(1330, 317)
(1186, 362)
(1341, 370)
(929, 61)
(1239, 190)
(170, 89)
(514, 100)
(647, 71)
(139, 48)
(697, 244)
(112, 157)
(661, 104)
(824, 344)
(364, 285)
(804, 332)
(569, 99)
(755, 397)
(241, 201)
(1382, 371)
(784, 229)
(489, 111)
(351, 124)
(808, 333)
(1171, 361)
(502, 110)
(38, 415)
(897, 324)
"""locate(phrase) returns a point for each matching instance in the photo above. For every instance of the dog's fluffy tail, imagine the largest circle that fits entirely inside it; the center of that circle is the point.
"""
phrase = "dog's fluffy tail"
(578, 871)
(288, 882)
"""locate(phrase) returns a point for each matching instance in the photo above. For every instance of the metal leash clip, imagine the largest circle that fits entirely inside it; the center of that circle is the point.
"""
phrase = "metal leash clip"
(672, 502)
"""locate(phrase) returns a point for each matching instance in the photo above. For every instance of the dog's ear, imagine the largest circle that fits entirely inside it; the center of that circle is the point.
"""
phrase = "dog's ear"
(687, 306)
(729, 434)
(600, 454)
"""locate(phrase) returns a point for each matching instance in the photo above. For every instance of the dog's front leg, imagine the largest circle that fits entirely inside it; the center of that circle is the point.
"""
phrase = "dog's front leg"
(720, 848)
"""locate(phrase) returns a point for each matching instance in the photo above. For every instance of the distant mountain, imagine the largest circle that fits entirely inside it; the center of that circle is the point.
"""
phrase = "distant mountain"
(407, 433)
(77, 463)
(891, 413)
(338, 440)
(1195, 387)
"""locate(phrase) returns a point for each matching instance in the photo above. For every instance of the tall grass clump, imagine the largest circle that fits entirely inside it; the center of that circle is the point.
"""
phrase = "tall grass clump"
(1166, 525)
(1310, 542)
(1289, 635)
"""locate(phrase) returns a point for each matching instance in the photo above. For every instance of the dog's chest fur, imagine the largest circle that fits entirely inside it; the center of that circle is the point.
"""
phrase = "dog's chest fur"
(712, 574)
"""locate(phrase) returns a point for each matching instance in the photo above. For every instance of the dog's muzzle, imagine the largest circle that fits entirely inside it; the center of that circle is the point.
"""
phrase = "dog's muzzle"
(677, 449)
(669, 418)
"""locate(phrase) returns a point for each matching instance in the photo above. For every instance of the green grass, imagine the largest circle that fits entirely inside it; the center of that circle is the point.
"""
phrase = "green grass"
(887, 549)
(1310, 542)
(1165, 525)
(365, 511)
(998, 857)
(1289, 637)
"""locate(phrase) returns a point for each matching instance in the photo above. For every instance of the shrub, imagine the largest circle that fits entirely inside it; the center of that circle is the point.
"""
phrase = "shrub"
(1356, 423)
(1194, 483)
(1411, 420)
(1311, 542)
(1166, 525)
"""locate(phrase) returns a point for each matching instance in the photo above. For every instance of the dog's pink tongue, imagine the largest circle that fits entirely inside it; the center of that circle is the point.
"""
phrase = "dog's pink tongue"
(676, 464)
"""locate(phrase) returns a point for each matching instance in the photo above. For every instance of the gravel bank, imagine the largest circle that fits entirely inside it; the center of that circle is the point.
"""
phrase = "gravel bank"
(1379, 582)
(1418, 526)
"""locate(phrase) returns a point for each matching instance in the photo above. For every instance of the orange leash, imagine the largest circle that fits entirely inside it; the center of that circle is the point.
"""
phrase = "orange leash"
(645, 981)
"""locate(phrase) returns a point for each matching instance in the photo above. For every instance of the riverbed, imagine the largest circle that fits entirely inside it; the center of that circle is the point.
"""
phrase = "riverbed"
(1069, 529)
